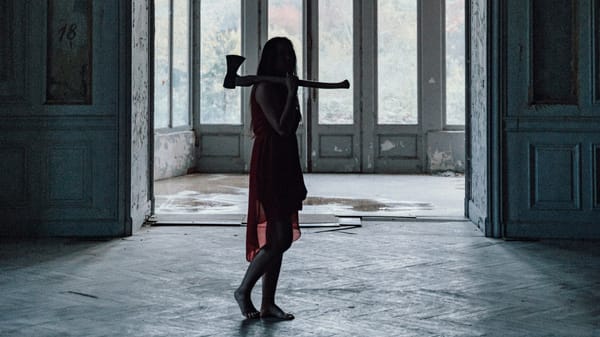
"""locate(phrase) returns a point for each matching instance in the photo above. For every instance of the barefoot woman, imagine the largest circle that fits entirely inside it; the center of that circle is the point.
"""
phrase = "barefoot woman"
(276, 187)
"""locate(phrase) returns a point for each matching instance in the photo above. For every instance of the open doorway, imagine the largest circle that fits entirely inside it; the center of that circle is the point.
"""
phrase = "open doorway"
(399, 140)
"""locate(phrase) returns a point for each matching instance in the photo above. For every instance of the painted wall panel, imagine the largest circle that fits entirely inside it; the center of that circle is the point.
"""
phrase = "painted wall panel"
(69, 175)
(397, 146)
(555, 172)
(6, 18)
(104, 63)
(596, 49)
(13, 51)
(551, 123)
(596, 174)
(69, 52)
(80, 175)
(13, 177)
(554, 51)
(220, 145)
(550, 186)
(335, 146)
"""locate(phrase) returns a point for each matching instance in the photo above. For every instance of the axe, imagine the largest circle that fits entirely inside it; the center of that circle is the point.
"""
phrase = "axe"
(232, 79)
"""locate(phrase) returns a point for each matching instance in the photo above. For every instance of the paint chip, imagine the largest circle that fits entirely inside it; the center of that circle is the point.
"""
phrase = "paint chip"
(387, 145)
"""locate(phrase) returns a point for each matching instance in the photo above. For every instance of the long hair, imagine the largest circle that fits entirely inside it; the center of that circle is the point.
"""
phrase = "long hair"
(271, 53)
(268, 59)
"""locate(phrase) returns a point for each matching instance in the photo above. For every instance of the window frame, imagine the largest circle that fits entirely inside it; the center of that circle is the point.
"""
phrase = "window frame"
(190, 66)
(445, 125)
(264, 22)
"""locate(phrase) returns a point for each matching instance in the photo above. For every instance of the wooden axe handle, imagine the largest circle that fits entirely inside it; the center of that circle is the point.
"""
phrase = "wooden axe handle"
(246, 81)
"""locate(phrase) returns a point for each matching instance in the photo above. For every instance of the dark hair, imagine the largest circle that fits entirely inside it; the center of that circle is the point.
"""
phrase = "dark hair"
(270, 53)
(268, 59)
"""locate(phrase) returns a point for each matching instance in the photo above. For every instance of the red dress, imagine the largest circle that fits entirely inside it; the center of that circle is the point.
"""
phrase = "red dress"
(276, 186)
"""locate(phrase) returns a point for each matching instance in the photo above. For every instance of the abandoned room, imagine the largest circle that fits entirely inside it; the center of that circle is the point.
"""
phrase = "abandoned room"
(451, 158)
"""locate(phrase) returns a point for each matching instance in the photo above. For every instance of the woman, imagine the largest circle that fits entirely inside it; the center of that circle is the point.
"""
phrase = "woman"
(276, 188)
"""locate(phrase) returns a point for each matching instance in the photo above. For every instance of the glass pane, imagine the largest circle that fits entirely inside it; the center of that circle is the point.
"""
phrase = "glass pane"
(161, 64)
(220, 34)
(285, 19)
(181, 61)
(335, 61)
(455, 62)
(397, 62)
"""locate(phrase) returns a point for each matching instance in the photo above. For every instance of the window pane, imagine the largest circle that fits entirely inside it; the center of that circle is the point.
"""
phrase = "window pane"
(285, 19)
(220, 34)
(161, 64)
(455, 62)
(181, 52)
(335, 61)
(397, 62)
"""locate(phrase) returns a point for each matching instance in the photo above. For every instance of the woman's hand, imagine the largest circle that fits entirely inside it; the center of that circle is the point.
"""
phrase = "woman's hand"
(291, 82)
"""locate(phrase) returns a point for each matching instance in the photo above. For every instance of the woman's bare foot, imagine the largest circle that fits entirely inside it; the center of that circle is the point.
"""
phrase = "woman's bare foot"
(272, 311)
(245, 303)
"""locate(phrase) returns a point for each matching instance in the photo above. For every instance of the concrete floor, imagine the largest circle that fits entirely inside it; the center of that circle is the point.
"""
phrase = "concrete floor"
(335, 194)
(381, 279)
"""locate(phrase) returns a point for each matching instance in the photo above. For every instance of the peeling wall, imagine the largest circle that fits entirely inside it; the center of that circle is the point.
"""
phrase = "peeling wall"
(479, 94)
(173, 154)
(140, 204)
(446, 151)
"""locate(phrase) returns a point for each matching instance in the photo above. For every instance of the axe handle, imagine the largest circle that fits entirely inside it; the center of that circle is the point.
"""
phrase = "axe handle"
(246, 81)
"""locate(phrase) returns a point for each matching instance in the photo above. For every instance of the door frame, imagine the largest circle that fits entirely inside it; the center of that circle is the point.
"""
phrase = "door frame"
(491, 217)
(496, 50)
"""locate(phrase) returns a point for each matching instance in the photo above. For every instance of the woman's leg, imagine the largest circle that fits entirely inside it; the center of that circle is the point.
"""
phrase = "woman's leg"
(255, 270)
(266, 263)
(281, 239)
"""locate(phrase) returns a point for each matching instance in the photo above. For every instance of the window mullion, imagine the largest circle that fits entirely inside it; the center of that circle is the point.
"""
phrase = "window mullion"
(170, 99)
(431, 34)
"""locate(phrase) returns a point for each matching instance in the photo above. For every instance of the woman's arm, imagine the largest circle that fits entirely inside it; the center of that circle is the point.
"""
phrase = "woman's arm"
(284, 117)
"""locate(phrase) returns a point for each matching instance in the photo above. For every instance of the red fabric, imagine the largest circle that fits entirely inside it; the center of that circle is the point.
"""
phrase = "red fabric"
(276, 184)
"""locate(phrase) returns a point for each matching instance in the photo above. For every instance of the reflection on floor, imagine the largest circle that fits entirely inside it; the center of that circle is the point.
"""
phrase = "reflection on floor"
(224, 196)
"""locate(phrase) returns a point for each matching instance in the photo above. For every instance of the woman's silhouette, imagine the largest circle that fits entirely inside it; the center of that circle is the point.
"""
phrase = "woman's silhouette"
(276, 188)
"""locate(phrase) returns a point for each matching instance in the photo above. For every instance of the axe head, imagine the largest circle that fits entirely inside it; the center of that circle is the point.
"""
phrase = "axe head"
(233, 64)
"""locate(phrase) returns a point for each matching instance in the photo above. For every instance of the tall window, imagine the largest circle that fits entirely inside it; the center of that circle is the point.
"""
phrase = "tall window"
(397, 62)
(455, 62)
(335, 60)
(285, 19)
(172, 63)
(220, 34)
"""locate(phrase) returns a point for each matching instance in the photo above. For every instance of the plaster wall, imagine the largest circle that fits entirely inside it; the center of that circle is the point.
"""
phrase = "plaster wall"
(173, 154)
(140, 203)
(479, 95)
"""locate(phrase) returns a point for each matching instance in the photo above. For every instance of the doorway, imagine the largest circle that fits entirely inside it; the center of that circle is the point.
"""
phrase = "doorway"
(385, 124)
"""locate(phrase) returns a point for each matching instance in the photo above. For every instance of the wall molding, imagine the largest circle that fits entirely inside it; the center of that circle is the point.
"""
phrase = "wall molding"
(14, 180)
(547, 168)
(13, 26)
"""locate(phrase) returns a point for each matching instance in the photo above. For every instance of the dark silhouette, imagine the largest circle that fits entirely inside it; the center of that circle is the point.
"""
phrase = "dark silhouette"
(276, 188)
